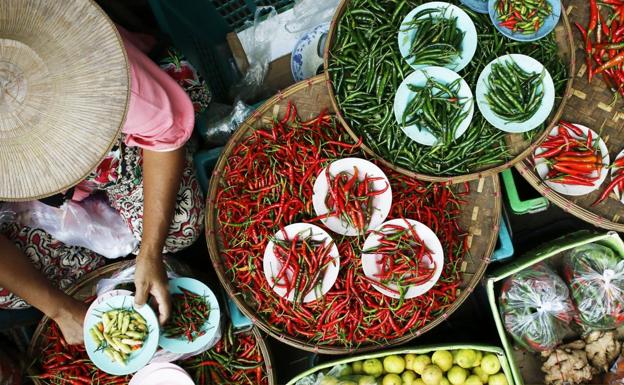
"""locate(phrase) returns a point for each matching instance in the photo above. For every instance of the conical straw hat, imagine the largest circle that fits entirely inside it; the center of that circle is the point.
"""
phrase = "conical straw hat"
(64, 92)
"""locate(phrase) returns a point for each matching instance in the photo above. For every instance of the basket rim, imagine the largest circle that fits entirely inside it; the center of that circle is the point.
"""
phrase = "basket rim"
(566, 204)
(451, 178)
(215, 255)
(104, 270)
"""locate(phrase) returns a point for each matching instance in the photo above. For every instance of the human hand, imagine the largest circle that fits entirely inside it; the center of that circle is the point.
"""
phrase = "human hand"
(70, 320)
(150, 277)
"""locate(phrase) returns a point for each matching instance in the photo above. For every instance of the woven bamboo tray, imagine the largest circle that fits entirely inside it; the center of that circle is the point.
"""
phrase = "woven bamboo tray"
(518, 146)
(590, 106)
(480, 216)
(85, 288)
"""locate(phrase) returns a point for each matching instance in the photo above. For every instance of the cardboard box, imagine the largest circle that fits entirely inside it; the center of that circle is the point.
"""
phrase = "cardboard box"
(415, 350)
(278, 76)
(526, 366)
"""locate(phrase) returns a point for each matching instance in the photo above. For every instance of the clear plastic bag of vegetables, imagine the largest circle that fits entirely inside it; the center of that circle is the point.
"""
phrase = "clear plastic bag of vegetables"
(595, 275)
(536, 308)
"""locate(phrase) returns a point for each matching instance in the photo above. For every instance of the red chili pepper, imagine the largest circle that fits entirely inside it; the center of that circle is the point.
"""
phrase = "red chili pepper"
(615, 182)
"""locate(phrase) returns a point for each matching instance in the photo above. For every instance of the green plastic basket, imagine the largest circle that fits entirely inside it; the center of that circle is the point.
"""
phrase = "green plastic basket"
(518, 206)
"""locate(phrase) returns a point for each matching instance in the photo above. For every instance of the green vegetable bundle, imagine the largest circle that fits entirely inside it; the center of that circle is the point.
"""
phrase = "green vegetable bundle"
(535, 307)
(514, 94)
(596, 279)
(437, 40)
(366, 69)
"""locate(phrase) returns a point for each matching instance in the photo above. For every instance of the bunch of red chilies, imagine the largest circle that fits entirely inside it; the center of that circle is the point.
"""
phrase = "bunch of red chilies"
(189, 313)
(573, 157)
(405, 259)
(303, 262)
(236, 359)
(350, 199)
(604, 43)
(267, 185)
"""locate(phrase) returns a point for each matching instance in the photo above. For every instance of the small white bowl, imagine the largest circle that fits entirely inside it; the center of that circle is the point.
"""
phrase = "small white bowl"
(464, 23)
(528, 64)
(371, 262)
(272, 266)
(573, 190)
(381, 203)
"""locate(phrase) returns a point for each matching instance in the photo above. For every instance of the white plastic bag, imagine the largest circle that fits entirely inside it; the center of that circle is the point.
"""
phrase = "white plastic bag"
(258, 55)
(307, 14)
(91, 223)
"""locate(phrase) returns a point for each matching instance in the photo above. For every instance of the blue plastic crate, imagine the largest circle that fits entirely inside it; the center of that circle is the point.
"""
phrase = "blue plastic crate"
(504, 248)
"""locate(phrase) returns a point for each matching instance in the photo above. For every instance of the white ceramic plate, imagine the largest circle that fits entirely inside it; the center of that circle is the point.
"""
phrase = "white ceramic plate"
(528, 64)
(137, 359)
(371, 262)
(542, 167)
(161, 373)
(613, 170)
(381, 203)
(272, 266)
(464, 23)
(419, 78)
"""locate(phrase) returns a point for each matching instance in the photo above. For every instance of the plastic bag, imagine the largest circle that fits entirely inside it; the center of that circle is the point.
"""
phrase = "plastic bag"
(536, 308)
(595, 276)
(338, 375)
(91, 223)
(308, 14)
(258, 55)
(218, 133)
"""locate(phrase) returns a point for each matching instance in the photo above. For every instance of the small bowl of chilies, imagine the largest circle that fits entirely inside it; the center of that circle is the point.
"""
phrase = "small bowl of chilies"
(524, 20)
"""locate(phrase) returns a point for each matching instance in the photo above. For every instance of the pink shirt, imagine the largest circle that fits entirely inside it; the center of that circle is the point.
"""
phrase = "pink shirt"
(160, 115)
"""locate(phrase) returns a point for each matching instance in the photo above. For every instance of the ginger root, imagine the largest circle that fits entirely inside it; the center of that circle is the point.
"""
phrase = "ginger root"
(567, 365)
(602, 348)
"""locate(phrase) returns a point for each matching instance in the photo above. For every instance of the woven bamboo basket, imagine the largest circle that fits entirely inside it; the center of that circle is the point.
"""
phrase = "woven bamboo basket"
(85, 288)
(480, 216)
(589, 105)
(518, 146)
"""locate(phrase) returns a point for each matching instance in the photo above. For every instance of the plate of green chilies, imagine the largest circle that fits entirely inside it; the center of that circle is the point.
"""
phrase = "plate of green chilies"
(515, 93)
(433, 106)
(437, 33)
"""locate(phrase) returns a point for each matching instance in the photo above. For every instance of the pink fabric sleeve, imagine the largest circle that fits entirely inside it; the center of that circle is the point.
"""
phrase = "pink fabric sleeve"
(160, 115)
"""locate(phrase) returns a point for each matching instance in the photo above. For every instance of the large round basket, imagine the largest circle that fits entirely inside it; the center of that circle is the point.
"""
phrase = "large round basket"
(479, 218)
(590, 105)
(518, 146)
(86, 287)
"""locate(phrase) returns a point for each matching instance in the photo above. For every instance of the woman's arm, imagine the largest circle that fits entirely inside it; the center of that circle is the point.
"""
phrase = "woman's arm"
(20, 277)
(161, 180)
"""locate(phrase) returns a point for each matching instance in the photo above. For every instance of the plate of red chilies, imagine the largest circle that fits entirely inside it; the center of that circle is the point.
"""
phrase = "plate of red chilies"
(617, 176)
(573, 160)
(354, 196)
(404, 256)
(301, 262)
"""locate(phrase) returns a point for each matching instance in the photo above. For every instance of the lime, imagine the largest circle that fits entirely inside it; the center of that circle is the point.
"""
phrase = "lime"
(391, 379)
(466, 358)
(442, 358)
(420, 362)
(498, 379)
(373, 367)
(490, 364)
(473, 380)
(457, 375)
(432, 374)
(394, 364)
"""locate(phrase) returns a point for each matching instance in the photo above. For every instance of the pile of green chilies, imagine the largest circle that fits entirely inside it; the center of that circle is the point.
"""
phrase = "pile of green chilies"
(189, 313)
(512, 93)
(267, 183)
(366, 69)
(437, 108)
(437, 40)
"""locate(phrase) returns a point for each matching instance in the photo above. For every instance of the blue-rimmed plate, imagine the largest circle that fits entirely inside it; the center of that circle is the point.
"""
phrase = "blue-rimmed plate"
(307, 56)
(550, 22)
(528, 64)
(137, 359)
(210, 327)
(419, 78)
(447, 10)
(480, 6)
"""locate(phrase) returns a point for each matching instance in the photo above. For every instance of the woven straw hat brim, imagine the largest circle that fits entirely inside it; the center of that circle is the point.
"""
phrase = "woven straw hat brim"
(64, 94)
